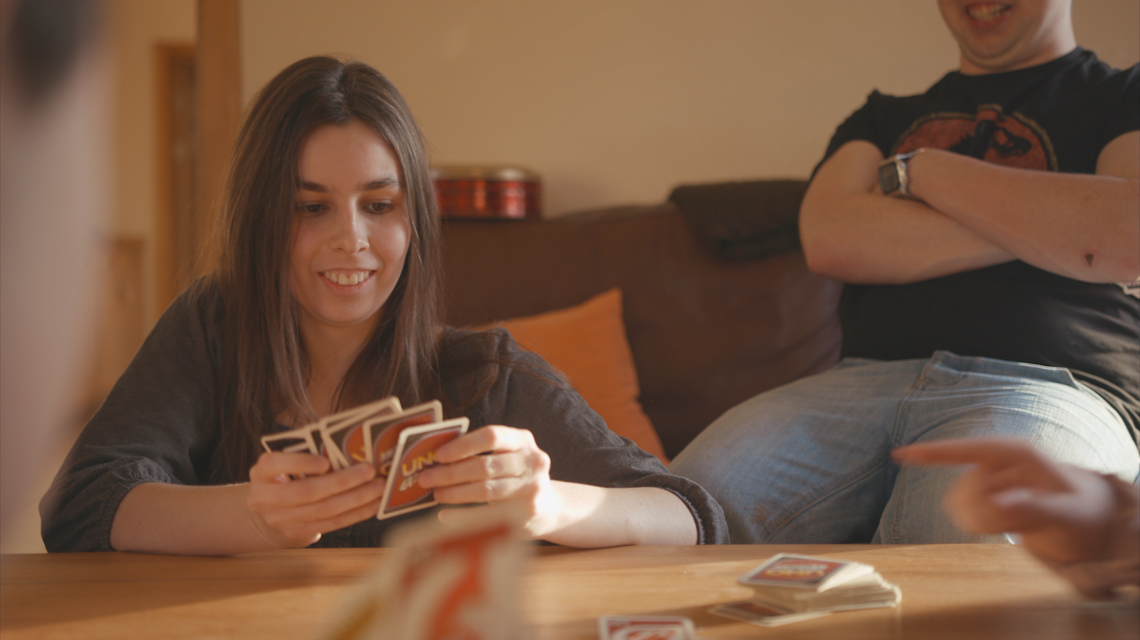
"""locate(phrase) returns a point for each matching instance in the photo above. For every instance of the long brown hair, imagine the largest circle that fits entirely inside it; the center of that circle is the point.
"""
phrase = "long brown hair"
(264, 367)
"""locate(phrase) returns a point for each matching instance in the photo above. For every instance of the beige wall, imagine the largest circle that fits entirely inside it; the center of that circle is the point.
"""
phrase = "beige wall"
(617, 101)
(135, 27)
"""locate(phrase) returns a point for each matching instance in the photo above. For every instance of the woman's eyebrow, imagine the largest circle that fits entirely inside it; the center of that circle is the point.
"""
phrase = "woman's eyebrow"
(382, 183)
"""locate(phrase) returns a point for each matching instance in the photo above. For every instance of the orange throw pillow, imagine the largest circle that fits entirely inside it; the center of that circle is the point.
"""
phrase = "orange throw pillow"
(587, 343)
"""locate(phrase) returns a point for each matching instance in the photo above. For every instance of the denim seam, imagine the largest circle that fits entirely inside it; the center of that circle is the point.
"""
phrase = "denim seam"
(812, 503)
(896, 440)
(784, 522)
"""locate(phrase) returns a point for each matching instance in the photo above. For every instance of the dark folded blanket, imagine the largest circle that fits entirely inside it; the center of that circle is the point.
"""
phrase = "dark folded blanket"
(743, 220)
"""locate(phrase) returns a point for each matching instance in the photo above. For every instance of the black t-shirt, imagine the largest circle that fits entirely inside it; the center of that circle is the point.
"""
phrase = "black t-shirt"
(1053, 117)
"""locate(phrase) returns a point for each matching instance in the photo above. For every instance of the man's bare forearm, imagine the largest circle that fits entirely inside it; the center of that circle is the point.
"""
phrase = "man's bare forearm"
(851, 232)
(1085, 227)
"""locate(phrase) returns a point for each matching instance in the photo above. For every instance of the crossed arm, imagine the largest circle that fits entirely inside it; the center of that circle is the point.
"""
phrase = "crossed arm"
(973, 214)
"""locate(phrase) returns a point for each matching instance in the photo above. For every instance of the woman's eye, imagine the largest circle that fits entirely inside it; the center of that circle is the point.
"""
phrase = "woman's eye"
(310, 208)
(379, 207)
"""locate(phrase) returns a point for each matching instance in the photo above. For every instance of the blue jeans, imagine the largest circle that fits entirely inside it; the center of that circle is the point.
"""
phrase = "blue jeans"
(809, 462)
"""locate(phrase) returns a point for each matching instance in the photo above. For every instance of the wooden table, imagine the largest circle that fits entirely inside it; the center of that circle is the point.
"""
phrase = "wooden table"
(976, 592)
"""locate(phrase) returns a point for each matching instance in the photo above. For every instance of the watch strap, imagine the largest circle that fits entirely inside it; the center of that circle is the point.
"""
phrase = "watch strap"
(899, 162)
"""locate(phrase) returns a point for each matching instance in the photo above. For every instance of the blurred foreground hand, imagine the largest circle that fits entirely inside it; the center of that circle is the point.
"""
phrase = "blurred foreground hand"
(1083, 525)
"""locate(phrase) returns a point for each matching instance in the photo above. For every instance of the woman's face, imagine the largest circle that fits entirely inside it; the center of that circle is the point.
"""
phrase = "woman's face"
(351, 228)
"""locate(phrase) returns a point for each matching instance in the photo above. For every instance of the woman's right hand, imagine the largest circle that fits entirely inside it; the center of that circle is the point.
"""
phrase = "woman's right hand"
(295, 512)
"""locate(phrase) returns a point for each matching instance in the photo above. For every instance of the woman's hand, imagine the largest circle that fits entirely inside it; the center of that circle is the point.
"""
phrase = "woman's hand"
(514, 469)
(294, 513)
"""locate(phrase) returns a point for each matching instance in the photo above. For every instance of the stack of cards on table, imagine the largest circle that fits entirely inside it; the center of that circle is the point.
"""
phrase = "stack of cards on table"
(646, 628)
(788, 588)
(398, 442)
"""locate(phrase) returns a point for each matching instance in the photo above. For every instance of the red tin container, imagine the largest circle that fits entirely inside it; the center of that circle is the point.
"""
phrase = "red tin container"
(478, 191)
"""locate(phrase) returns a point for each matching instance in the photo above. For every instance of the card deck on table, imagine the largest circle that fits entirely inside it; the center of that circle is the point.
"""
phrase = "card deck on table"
(646, 628)
(415, 451)
(345, 436)
(793, 585)
(761, 615)
(803, 572)
(384, 433)
(863, 592)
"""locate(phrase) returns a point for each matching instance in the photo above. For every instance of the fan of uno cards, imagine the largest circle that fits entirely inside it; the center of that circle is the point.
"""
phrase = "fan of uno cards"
(398, 442)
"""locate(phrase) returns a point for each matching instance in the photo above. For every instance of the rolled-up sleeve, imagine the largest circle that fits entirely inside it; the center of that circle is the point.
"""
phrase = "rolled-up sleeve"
(158, 424)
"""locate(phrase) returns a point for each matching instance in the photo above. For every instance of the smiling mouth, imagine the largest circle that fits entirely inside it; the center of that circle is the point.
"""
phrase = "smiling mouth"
(986, 12)
(346, 278)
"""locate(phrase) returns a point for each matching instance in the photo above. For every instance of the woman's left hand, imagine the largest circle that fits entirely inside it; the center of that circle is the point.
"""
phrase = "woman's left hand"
(514, 469)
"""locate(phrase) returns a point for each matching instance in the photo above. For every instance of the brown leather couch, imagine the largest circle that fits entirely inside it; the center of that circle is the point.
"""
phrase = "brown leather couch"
(706, 331)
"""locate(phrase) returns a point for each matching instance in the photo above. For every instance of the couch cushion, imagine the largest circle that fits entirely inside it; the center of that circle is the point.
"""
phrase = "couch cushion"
(743, 220)
(706, 333)
(587, 343)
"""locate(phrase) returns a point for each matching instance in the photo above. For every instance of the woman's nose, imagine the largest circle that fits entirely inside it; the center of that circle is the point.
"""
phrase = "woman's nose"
(349, 233)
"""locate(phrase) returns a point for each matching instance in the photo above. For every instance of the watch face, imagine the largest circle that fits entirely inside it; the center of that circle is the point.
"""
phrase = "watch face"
(888, 177)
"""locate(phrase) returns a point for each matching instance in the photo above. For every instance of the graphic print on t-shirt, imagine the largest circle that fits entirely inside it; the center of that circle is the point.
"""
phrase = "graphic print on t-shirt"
(990, 135)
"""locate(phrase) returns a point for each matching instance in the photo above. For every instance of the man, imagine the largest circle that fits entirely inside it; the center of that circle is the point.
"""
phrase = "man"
(980, 260)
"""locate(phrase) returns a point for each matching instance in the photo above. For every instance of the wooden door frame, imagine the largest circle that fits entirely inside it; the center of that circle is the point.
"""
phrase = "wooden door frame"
(167, 261)
(219, 111)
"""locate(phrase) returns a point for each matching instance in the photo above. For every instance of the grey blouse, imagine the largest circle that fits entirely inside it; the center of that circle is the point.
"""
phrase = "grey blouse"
(159, 424)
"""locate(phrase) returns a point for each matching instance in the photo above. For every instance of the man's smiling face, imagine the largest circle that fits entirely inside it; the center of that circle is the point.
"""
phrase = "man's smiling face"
(1008, 35)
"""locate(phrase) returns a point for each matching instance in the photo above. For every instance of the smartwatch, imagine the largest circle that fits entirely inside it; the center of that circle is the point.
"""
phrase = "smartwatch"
(893, 179)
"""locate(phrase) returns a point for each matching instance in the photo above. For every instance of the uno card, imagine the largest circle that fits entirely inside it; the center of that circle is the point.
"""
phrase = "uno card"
(345, 433)
(762, 615)
(341, 416)
(443, 581)
(303, 440)
(415, 452)
(290, 441)
(798, 572)
(317, 446)
(384, 433)
(646, 628)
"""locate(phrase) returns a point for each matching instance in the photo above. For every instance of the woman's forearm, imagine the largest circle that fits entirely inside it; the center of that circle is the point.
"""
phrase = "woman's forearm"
(191, 520)
(598, 517)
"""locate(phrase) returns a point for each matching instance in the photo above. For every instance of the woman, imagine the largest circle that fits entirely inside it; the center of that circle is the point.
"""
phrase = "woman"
(326, 298)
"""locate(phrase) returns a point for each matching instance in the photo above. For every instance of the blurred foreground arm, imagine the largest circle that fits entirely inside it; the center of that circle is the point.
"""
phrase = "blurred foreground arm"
(1083, 525)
